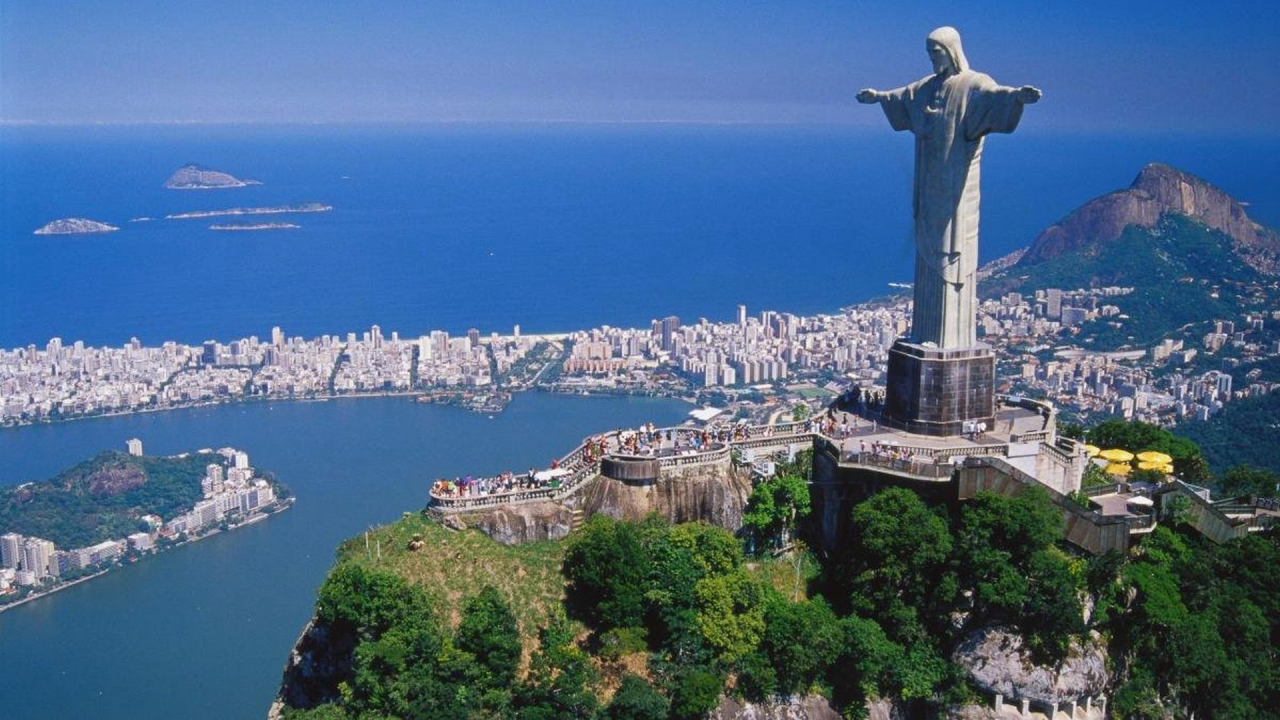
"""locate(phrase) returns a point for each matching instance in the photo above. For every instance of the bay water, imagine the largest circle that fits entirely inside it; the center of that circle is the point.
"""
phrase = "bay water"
(203, 631)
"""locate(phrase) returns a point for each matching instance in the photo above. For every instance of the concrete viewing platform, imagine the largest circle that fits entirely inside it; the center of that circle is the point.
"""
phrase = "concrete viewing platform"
(1022, 433)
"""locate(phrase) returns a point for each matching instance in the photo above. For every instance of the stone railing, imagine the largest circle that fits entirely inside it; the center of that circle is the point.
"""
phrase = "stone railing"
(1108, 489)
(914, 467)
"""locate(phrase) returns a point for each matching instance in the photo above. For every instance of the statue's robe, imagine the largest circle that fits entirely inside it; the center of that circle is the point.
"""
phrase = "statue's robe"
(949, 115)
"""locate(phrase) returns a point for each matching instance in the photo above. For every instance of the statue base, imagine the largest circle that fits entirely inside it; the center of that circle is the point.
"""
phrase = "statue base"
(940, 391)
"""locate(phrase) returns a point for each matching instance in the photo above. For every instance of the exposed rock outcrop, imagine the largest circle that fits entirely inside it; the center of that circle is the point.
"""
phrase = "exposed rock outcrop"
(513, 524)
(1159, 190)
(714, 494)
(998, 662)
(811, 707)
(318, 662)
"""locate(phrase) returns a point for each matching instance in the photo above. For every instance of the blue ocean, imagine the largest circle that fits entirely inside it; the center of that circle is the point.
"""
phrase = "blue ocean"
(552, 227)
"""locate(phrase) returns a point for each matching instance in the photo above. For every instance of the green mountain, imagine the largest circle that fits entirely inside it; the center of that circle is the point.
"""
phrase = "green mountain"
(103, 498)
(1188, 250)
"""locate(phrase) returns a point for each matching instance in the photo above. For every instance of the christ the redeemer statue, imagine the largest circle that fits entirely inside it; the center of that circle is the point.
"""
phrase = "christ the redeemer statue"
(949, 112)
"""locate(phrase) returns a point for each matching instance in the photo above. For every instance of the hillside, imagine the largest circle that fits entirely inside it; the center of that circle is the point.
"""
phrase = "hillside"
(930, 609)
(1187, 249)
(1244, 433)
(103, 498)
(1159, 190)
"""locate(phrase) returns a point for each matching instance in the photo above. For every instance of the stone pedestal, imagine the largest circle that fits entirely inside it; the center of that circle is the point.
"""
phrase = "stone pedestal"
(936, 391)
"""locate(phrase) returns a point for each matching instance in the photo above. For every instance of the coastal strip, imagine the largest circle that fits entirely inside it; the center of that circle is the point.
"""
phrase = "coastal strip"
(45, 549)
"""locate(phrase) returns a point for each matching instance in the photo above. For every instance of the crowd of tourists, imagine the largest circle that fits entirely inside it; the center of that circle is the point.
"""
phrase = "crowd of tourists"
(646, 440)
(506, 482)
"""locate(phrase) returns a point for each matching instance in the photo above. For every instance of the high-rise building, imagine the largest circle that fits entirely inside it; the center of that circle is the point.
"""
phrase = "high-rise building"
(474, 336)
(670, 325)
(10, 550)
(209, 354)
(742, 316)
(36, 554)
(277, 337)
(134, 446)
(1053, 303)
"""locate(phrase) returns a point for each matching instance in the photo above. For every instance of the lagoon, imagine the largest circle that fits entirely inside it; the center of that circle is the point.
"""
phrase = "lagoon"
(204, 631)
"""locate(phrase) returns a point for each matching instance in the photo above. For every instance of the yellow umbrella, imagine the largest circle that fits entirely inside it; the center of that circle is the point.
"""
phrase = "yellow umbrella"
(1151, 465)
(1092, 450)
(1155, 457)
(1116, 455)
(1117, 468)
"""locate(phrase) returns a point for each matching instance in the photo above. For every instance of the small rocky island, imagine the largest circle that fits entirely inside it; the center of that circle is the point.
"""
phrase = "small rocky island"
(198, 177)
(276, 210)
(75, 226)
(255, 226)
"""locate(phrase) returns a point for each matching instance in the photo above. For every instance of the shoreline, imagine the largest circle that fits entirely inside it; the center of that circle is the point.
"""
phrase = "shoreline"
(311, 399)
(52, 590)
(282, 505)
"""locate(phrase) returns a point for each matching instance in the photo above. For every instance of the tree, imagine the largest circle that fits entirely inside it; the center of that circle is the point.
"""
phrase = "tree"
(489, 631)
(775, 506)
(898, 554)
(560, 679)
(370, 601)
(865, 665)
(636, 699)
(607, 567)
(1246, 480)
(731, 612)
(800, 640)
(697, 693)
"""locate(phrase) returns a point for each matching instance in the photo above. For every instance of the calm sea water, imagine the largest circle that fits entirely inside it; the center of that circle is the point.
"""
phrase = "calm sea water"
(204, 631)
(553, 228)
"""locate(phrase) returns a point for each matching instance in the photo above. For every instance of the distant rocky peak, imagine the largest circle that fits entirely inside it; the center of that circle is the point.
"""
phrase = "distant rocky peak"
(1158, 190)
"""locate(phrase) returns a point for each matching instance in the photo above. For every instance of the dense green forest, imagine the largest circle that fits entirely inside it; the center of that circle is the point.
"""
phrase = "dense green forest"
(1244, 433)
(1177, 270)
(658, 621)
(103, 497)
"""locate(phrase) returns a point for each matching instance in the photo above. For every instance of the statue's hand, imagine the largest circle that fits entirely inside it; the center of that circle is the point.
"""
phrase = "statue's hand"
(1028, 94)
(868, 96)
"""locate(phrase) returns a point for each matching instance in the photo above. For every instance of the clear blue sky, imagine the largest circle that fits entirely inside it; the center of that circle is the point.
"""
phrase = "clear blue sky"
(1166, 65)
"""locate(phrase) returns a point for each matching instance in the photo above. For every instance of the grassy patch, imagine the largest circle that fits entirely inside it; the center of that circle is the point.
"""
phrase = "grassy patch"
(452, 566)
(788, 574)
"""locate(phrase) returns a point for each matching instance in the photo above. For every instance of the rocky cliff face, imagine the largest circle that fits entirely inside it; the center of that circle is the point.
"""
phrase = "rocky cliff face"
(714, 494)
(318, 662)
(1157, 191)
(997, 662)
(521, 523)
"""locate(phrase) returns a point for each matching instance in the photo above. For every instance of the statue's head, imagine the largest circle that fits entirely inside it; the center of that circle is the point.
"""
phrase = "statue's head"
(945, 52)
